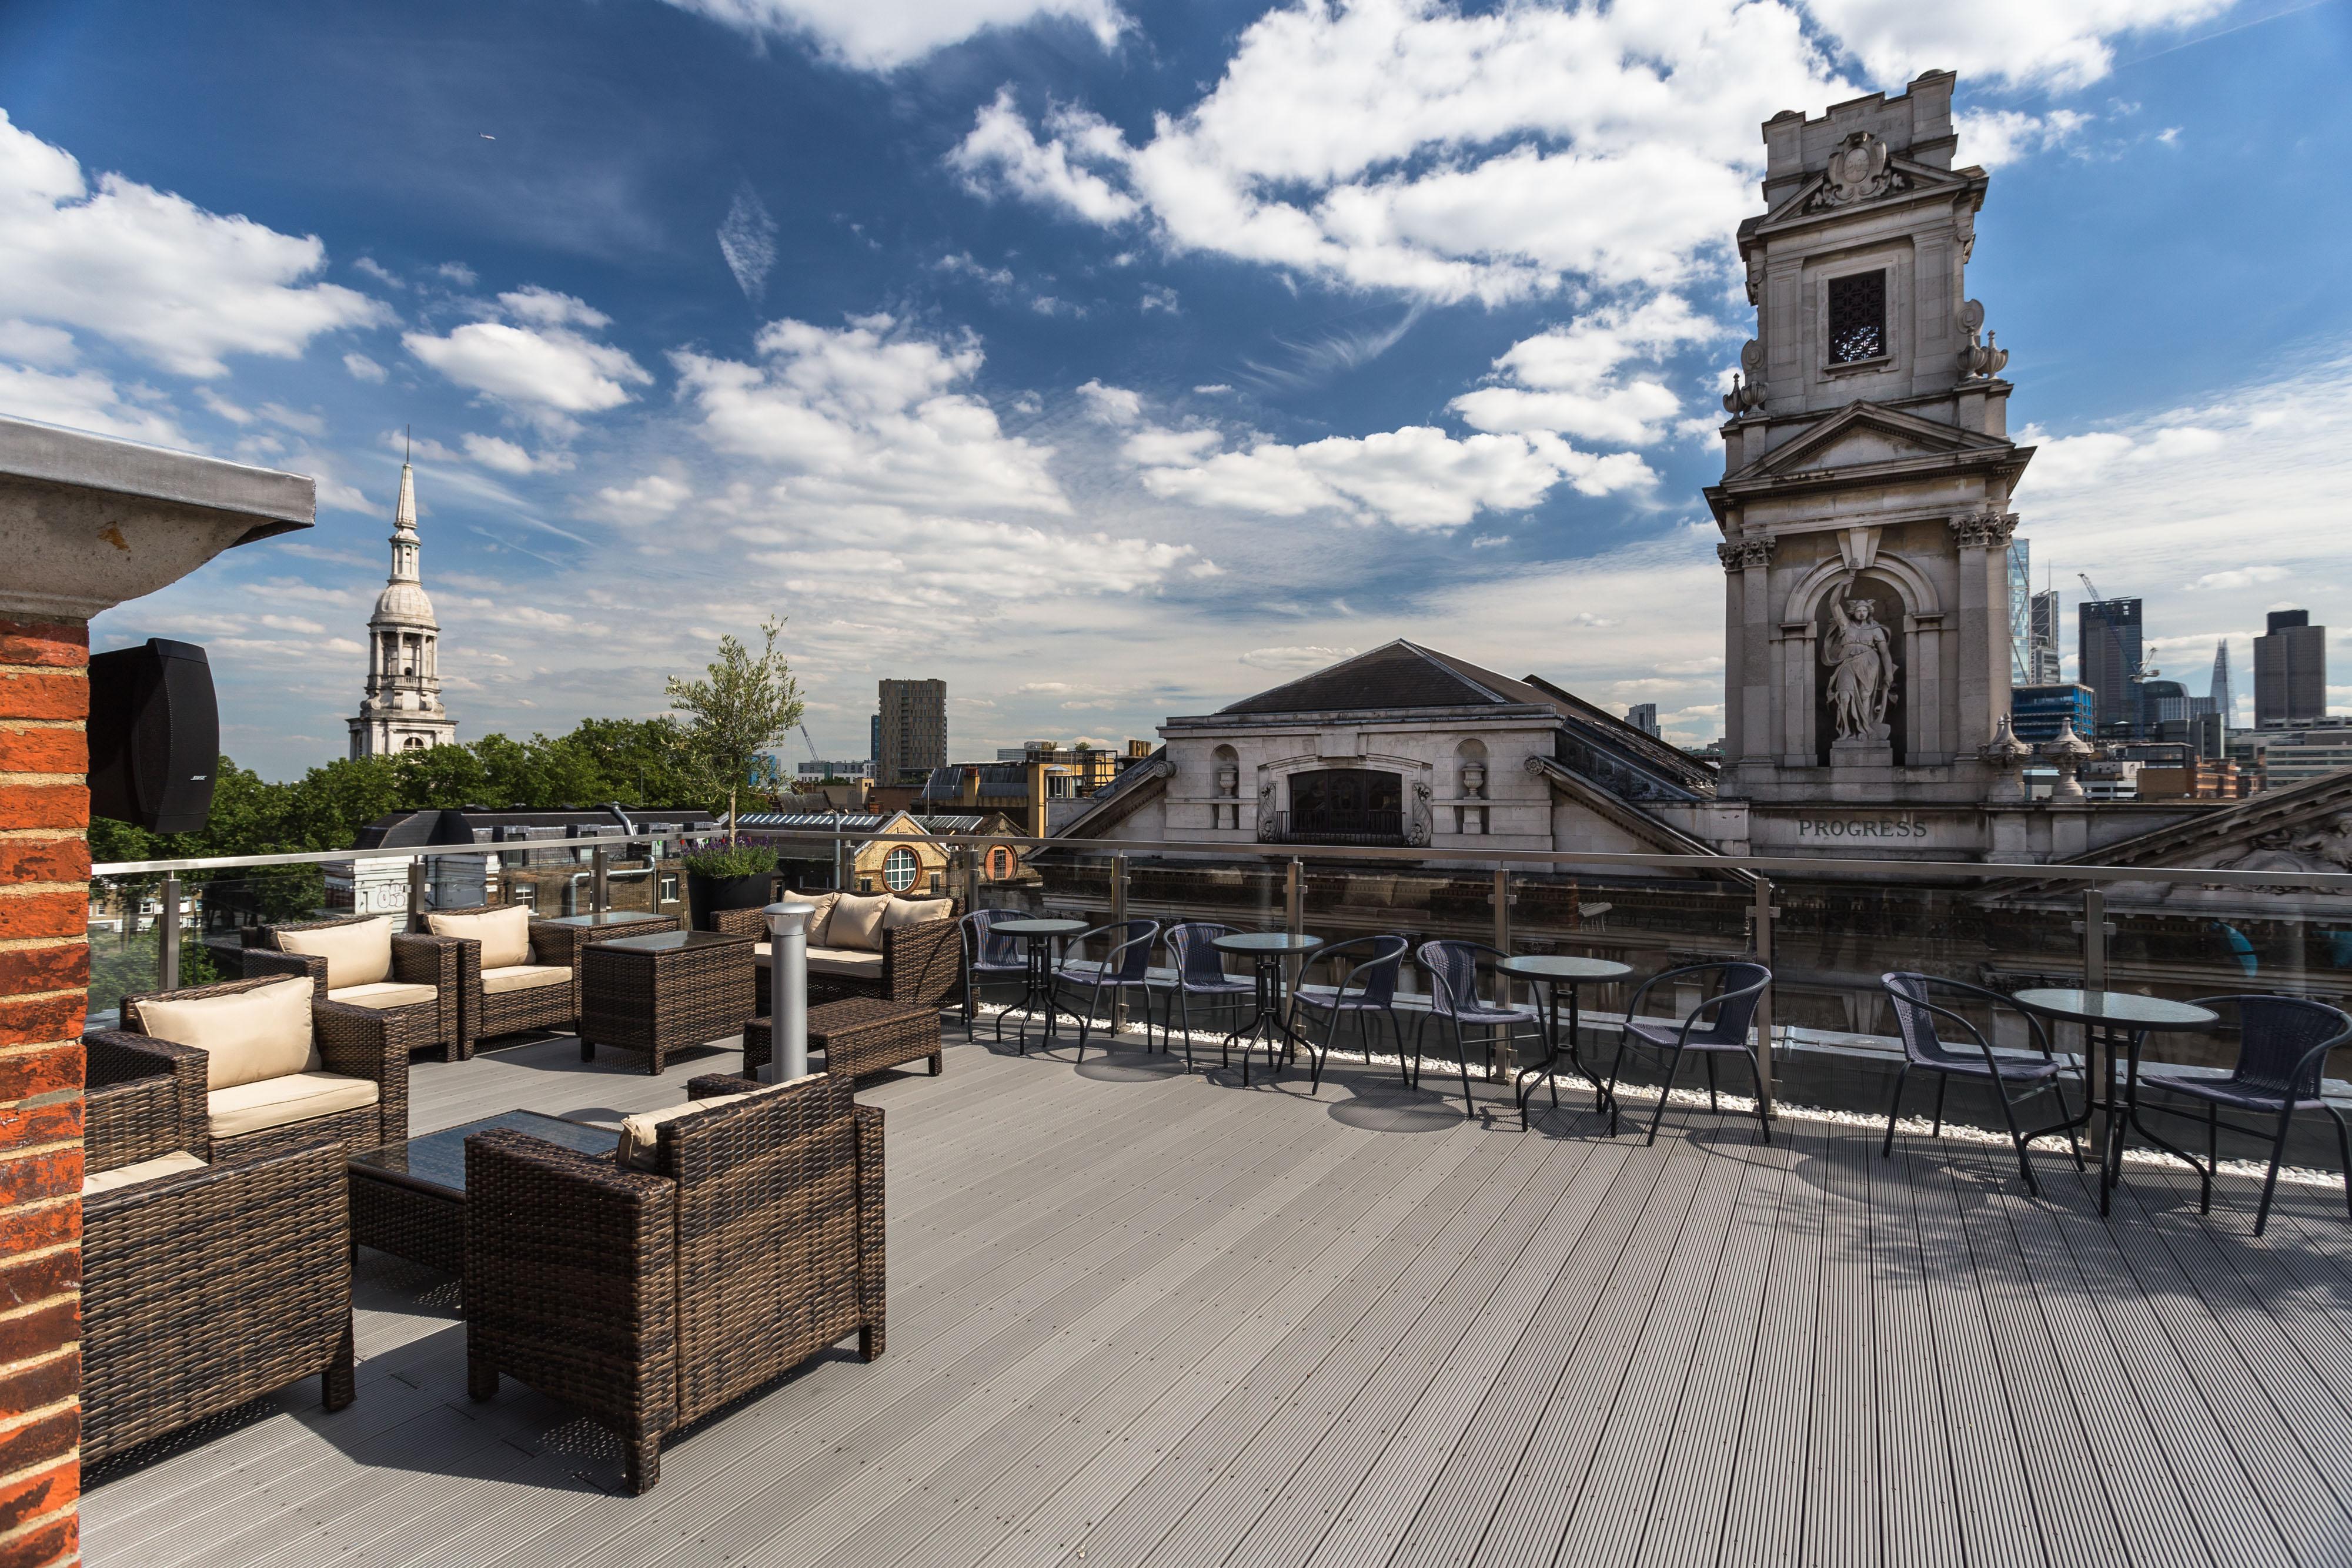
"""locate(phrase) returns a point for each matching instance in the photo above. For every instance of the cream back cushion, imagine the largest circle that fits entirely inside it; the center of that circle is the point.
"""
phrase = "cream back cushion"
(856, 923)
(504, 934)
(641, 1134)
(359, 953)
(817, 922)
(916, 912)
(246, 1038)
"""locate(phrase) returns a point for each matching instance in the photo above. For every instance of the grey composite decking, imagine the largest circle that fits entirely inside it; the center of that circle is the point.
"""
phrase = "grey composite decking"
(1138, 1316)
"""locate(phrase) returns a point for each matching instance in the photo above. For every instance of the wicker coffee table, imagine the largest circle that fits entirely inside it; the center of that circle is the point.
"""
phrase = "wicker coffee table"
(858, 1035)
(664, 992)
(581, 929)
(409, 1199)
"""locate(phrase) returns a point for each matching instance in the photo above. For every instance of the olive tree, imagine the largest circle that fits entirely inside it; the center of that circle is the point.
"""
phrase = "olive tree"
(747, 706)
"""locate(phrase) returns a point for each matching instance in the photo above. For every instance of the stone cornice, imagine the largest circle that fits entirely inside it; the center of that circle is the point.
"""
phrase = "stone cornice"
(1982, 530)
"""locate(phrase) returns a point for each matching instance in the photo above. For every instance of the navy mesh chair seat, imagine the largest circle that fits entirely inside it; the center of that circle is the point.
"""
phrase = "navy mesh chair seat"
(1717, 1028)
(988, 955)
(1123, 968)
(1917, 1016)
(1198, 970)
(2282, 1046)
(1453, 971)
(1365, 991)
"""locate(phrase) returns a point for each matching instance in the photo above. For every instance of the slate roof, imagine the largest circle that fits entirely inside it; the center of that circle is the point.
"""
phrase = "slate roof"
(1400, 674)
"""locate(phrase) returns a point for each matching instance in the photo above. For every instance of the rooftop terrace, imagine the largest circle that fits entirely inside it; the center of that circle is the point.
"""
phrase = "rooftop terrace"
(1145, 1315)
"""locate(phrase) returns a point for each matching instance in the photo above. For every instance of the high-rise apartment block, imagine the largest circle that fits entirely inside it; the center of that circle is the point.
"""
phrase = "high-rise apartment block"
(2045, 667)
(2021, 612)
(2290, 670)
(912, 729)
(1643, 717)
(2107, 654)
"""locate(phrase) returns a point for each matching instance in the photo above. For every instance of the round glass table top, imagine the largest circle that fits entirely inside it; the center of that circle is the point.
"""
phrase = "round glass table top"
(1037, 927)
(1261, 941)
(2116, 1007)
(1563, 966)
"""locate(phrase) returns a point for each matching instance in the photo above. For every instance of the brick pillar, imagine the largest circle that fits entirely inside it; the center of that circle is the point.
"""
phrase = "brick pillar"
(43, 985)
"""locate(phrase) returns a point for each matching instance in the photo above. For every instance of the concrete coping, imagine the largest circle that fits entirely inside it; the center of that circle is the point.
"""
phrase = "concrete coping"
(32, 450)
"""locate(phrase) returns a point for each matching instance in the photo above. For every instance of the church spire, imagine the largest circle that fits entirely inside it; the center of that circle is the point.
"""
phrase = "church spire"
(401, 710)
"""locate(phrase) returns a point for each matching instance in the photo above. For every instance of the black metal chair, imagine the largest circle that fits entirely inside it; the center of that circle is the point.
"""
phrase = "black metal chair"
(988, 956)
(1734, 1002)
(1198, 971)
(1120, 970)
(1453, 971)
(1366, 987)
(1916, 1015)
(2282, 1046)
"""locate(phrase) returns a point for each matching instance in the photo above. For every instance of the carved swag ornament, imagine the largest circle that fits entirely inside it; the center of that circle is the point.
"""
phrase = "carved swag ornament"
(1858, 172)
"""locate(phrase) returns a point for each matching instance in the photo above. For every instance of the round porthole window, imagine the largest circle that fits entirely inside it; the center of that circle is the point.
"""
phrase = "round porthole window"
(899, 869)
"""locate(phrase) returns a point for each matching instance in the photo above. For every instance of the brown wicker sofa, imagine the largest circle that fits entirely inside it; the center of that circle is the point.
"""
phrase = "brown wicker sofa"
(917, 962)
(206, 1285)
(410, 970)
(506, 992)
(743, 1239)
(352, 1090)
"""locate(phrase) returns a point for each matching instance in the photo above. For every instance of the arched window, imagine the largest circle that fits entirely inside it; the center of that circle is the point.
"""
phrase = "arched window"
(414, 743)
(1000, 863)
(899, 869)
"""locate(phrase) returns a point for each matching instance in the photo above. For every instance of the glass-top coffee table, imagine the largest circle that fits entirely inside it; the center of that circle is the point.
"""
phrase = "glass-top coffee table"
(409, 1199)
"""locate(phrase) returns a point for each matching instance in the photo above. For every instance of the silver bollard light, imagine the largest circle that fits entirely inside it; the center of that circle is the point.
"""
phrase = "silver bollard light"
(787, 991)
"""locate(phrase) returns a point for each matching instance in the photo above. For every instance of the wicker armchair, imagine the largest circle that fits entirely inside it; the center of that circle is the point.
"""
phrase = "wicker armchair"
(484, 1014)
(649, 1297)
(353, 1042)
(417, 960)
(922, 966)
(206, 1287)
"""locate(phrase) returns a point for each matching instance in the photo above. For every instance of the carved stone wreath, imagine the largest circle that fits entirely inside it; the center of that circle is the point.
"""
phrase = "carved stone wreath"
(1982, 530)
(1858, 172)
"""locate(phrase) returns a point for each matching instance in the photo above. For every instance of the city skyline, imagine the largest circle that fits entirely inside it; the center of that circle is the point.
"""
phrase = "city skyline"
(972, 372)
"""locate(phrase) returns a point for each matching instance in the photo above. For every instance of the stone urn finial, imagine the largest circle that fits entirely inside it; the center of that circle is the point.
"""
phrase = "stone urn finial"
(2005, 754)
(2069, 751)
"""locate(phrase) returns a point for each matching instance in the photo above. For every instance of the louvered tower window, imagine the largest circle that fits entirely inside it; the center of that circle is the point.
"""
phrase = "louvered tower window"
(1857, 318)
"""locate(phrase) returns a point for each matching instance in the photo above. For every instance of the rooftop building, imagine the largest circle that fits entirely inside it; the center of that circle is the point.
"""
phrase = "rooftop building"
(2290, 670)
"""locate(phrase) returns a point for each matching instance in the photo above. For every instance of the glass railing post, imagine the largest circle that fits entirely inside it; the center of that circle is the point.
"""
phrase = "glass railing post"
(1118, 921)
(1761, 919)
(1498, 1039)
(1294, 918)
(167, 937)
(2094, 939)
(599, 890)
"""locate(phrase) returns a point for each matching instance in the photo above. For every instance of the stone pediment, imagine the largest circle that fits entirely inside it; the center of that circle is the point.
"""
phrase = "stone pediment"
(1863, 434)
(1857, 179)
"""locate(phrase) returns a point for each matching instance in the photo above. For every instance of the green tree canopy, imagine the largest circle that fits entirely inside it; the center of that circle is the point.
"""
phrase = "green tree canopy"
(747, 706)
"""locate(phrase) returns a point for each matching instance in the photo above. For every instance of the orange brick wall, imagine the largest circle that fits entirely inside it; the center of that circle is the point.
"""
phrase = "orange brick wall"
(44, 980)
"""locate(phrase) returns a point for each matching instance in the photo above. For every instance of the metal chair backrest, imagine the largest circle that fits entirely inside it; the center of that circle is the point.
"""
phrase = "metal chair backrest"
(1197, 962)
(1453, 971)
(986, 945)
(2279, 1041)
(1130, 955)
(1730, 1006)
(1915, 1018)
(1372, 978)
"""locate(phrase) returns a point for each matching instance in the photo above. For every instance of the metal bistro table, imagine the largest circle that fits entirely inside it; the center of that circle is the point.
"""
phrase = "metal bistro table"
(1037, 984)
(1269, 950)
(1551, 971)
(2111, 1020)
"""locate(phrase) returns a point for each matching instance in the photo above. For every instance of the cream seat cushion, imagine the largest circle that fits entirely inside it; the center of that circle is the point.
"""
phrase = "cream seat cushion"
(246, 1038)
(524, 978)
(916, 912)
(504, 934)
(824, 915)
(844, 963)
(641, 1134)
(385, 994)
(280, 1102)
(359, 953)
(856, 922)
(145, 1170)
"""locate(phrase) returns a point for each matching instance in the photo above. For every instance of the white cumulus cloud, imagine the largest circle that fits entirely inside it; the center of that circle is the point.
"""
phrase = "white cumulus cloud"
(169, 281)
(892, 33)
(541, 364)
(1569, 378)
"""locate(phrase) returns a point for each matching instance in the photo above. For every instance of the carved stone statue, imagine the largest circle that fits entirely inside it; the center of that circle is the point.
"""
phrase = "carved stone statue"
(1860, 660)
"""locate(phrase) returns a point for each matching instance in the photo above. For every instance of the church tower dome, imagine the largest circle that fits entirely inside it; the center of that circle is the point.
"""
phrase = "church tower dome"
(401, 710)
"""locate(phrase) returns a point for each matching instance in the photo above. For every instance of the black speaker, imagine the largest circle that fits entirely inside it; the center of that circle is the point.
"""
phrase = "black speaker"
(154, 737)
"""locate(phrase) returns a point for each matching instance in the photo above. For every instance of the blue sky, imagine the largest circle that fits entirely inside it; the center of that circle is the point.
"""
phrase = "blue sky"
(1112, 361)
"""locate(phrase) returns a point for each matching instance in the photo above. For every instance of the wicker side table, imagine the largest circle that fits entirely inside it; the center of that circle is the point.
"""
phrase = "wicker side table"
(583, 929)
(859, 1036)
(660, 993)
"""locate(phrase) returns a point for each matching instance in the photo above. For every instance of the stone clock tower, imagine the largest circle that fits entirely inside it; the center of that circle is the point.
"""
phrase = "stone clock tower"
(1867, 472)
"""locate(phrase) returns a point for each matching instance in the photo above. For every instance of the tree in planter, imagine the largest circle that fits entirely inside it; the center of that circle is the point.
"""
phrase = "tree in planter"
(747, 707)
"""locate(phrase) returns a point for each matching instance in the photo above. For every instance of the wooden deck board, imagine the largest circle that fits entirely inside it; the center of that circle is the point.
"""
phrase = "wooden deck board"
(1140, 1314)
